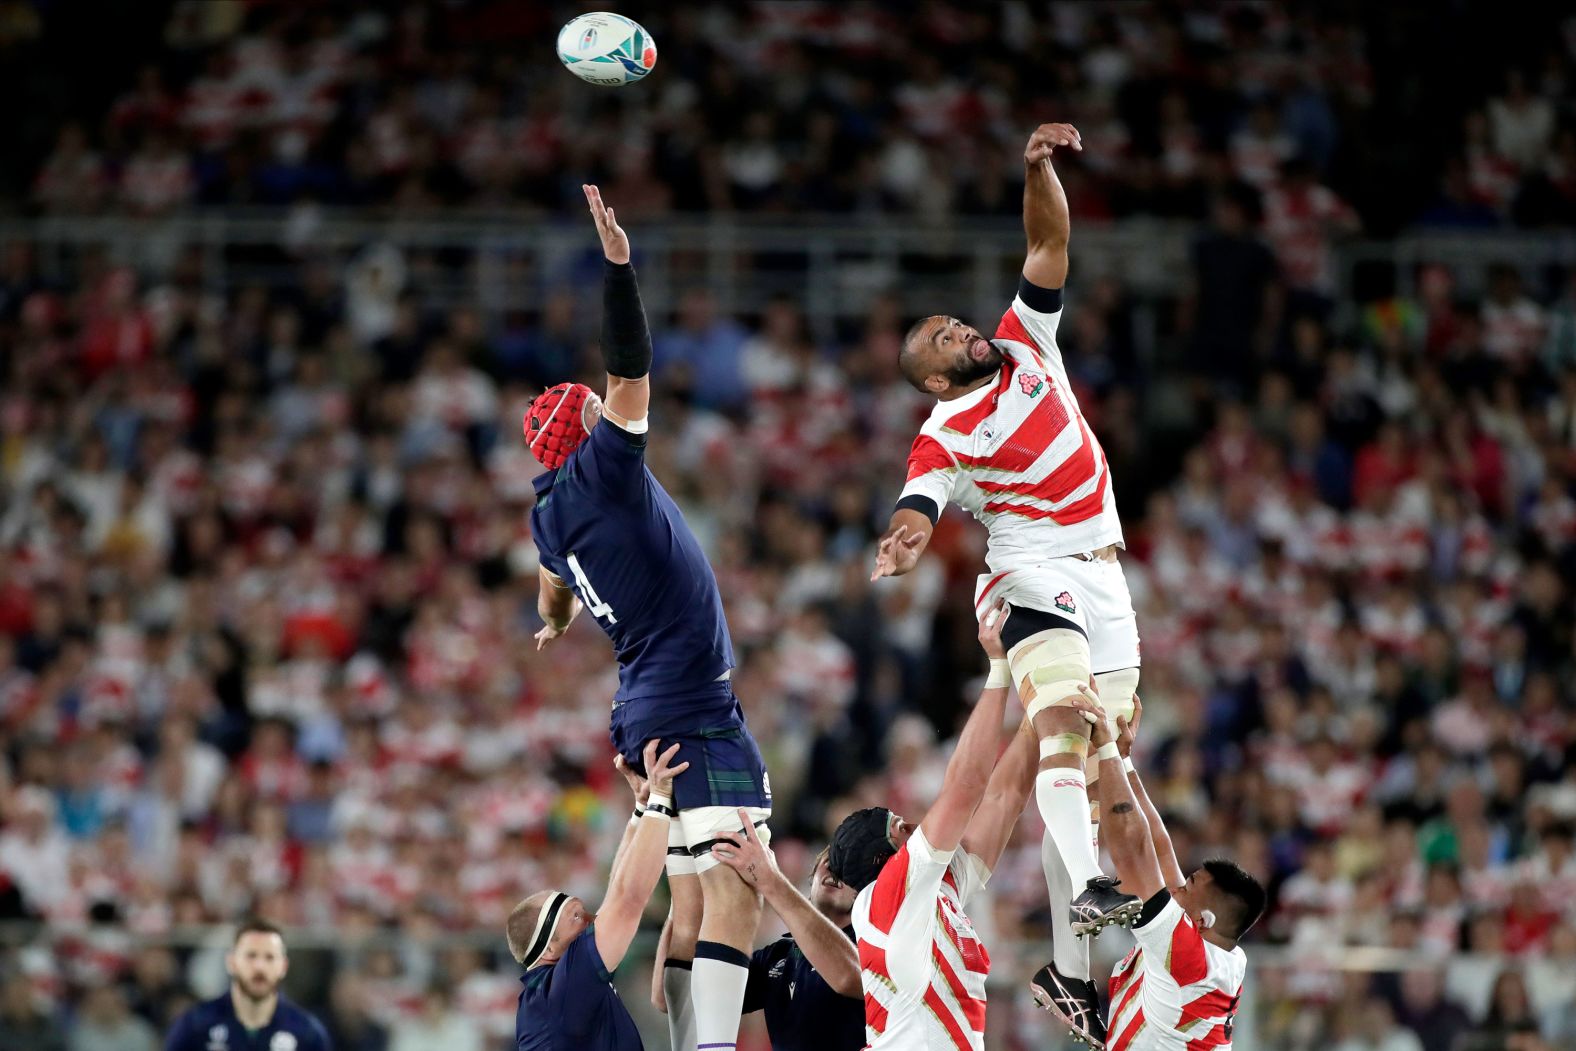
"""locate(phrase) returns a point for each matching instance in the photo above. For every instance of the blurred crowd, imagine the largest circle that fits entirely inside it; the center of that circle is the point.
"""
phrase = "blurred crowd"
(267, 592)
(817, 107)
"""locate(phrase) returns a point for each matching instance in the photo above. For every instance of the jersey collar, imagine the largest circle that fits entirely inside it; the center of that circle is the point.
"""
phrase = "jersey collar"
(544, 481)
(948, 409)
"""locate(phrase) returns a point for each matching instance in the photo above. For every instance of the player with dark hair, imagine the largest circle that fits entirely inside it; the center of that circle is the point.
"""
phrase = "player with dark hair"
(806, 982)
(613, 542)
(922, 966)
(569, 954)
(253, 1013)
(1008, 442)
(1179, 987)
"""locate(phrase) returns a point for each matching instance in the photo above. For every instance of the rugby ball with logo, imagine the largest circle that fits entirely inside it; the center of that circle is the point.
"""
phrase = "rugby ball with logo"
(605, 48)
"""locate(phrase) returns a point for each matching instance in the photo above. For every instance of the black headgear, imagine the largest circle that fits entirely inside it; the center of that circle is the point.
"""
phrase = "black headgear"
(861, 845)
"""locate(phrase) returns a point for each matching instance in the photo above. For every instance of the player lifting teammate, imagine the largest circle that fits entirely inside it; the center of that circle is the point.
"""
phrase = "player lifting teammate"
(922, 966)
(613, 542)
(1178, 989)
(1008, 443)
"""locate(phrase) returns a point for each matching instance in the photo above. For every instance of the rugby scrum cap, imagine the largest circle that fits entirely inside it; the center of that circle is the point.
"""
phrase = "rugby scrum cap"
(861, 846)
(556, 423)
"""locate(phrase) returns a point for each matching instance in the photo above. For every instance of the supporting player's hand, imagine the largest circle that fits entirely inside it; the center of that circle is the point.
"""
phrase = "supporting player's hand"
(615, 243)
(660, 770)
(1127, 728)
(898, 553)
(991, 624)
(1046, 138)
(637, 784)
(744, 853)
(548, 634)
(1088, 702)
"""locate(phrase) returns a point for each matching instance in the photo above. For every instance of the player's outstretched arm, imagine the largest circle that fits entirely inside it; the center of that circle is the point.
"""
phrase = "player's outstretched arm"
(1045, 218)
(1005, 797)
(905, 540)
(1170, 869)
(638, 865)
(969, 769)
(828, 949)
(1123, 827)
(626, 340)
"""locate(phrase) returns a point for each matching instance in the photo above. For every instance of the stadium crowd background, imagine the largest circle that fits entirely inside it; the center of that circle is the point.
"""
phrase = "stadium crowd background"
(266, 598)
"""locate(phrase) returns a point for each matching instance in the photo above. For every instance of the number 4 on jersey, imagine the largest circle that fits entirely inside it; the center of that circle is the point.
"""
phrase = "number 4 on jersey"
(593, 601)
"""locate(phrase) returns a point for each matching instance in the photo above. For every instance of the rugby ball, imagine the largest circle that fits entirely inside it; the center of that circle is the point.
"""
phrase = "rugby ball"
(607, 49)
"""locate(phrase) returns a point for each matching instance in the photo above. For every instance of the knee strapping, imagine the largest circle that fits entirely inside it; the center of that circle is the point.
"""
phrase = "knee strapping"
(1048, 667)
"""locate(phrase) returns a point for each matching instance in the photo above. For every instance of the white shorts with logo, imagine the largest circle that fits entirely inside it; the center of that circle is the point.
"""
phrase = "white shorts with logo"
(1093, 595)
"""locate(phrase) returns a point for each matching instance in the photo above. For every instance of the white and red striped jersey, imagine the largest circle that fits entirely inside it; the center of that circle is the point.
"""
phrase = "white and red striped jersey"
(922, 966)
(1174, 991)
(1018, 454)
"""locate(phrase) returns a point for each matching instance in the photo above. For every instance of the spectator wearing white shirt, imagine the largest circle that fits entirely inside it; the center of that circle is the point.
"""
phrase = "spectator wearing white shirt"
(33, 851)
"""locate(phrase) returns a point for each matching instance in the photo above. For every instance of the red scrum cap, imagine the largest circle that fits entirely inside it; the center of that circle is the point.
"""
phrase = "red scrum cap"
(556, 423)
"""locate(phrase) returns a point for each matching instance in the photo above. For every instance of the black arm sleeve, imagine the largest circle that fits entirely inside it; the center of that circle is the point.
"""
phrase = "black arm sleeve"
(1045, 300)
(626, 342)
(923, 504)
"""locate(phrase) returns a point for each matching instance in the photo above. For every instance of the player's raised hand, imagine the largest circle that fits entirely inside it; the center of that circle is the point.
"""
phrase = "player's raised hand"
(615, 243)
(1088, 702)
(660, 770)
(744, 853)
(1127, 729)
(898, 553)
(637, 784)
(991, 624)
(1048, 137)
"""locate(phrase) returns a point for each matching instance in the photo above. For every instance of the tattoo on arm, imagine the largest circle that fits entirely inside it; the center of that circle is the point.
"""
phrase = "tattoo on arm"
(1122, 808)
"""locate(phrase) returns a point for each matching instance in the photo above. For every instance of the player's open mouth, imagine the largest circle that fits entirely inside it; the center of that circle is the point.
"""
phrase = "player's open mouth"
(979, 349)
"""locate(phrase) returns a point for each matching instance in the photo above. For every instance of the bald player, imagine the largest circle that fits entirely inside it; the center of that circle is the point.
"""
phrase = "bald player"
(570, 953)
(1008, 443)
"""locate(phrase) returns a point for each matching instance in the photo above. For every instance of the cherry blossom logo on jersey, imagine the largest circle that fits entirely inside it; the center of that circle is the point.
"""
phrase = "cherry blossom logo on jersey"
(1031, 383)
(1065, 603)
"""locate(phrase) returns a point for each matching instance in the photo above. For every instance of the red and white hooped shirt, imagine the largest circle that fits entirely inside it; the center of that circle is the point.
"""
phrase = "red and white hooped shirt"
(922, 966)
(1174, 991)
(1018, 454)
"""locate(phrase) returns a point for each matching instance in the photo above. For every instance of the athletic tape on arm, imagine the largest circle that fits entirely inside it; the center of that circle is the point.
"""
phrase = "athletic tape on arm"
(626, 341)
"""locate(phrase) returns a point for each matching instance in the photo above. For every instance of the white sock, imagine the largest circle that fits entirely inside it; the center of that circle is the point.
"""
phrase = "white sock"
(1064, 806)
(717, 988)
(1069, 952)
(681, 1009)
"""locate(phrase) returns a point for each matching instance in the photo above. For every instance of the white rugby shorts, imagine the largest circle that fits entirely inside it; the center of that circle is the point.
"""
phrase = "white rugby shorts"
(1091, 594)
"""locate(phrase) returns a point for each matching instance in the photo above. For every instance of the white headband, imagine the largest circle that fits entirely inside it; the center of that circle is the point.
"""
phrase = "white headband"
(546, 923)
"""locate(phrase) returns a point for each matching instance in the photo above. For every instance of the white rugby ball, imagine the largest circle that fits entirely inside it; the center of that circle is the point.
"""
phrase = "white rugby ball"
(605, 48)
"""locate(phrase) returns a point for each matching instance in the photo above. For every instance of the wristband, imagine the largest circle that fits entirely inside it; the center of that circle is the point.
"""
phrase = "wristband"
(660, 805)
(1107, 751)
(634, 819)
(1000, 676)
(1127, 765)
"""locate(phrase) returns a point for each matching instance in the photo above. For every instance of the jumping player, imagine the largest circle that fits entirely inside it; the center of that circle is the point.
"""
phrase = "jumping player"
(1008, 443)
(923, 968)
(1179, 987)
(613, 542)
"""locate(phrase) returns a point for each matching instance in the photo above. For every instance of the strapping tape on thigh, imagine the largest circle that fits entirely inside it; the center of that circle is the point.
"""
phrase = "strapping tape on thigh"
(704, 849)
(1052, 664)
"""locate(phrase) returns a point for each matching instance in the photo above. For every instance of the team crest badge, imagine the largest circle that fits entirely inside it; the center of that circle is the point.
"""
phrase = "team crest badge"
(1031, 383)
(1065, 603)
(218, 1037)
(282, 1042)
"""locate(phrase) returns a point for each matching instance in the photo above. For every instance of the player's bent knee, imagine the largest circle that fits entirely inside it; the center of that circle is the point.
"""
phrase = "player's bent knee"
(1049, 667)
(705, 826)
